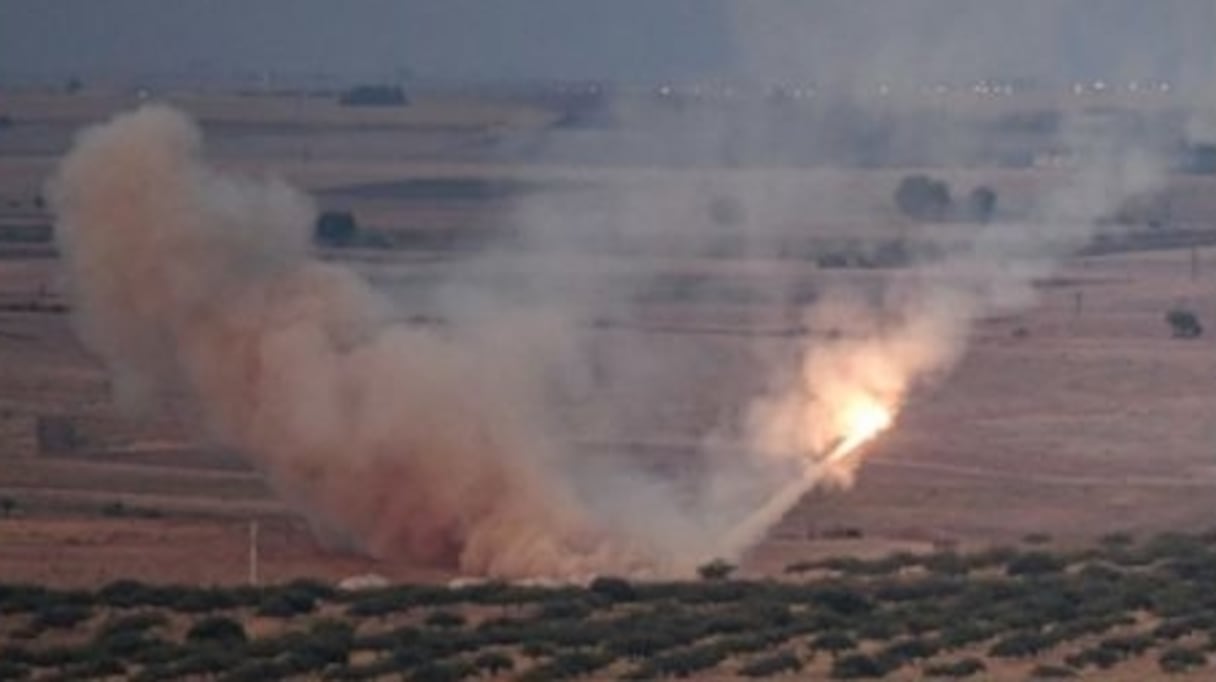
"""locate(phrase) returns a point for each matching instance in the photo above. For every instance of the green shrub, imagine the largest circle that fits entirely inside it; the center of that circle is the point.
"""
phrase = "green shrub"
(980, 205)
(683, 662)
(1117, 539)
(991, 557)
(879, 629)
(923, 198)
(403, 597)
(17, 655)
(138, 647)
(565, 609)
(326, 642)
(201, 600)
(848, 565)
(1083, 627)
(537, 649)
(1099, 574)
(99, 666)
(643, 643)
(409, 655)
(716, 570)
(1172, 629)
(711, 591)
(774, 664)
(1099, 657)
(286, 604)
(749, 643)
(964, 667)
(257, 671)
(857, 666)
(335, 228)
(448, 671)
(205, 661)
(932, 587)
(1184, 324)
(841, 599)
(1181, 659)
(140, 622)
(962, 634)
(494, 662)
(1035, 563)
(219, 630)
(570, 665)
(1020, 645)
(11, 670)
(833, 642)
(317, 589)
(615, 590)
(898, 653)
(126, 594)
(1127, 646)
(945, 563)
(24, 598)
(57, 656)
(61, 616)
(375, 670)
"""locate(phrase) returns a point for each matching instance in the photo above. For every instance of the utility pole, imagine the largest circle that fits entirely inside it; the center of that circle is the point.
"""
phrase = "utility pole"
(1194, 263)
(253, 552)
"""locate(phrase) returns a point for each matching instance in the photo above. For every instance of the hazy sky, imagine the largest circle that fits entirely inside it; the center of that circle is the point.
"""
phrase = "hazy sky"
(634, 40)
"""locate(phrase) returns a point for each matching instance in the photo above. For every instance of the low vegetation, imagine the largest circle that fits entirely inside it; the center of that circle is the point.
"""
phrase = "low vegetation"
(1184, 324)
(1042, 614)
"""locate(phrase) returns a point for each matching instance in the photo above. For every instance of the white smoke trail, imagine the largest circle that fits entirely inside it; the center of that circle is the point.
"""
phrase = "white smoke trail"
(920, 329)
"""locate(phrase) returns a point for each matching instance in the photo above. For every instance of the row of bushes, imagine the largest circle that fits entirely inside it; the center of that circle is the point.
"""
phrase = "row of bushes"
(1027, 604)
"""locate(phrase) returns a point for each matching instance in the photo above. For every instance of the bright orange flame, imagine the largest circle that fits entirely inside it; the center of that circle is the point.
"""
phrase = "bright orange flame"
(863, 421)
(867, 420)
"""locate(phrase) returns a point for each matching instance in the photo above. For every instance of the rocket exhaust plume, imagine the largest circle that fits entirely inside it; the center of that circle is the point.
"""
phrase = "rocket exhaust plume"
(196, 287)
(866, 421)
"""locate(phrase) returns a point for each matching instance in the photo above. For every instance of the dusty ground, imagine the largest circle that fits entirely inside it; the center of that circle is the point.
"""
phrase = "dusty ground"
(1091, 420)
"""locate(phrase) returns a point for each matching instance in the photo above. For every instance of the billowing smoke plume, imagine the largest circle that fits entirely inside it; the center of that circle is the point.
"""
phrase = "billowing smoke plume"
(411, 442)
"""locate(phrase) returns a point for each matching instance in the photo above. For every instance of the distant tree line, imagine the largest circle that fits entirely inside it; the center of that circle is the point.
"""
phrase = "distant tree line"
(335, 229)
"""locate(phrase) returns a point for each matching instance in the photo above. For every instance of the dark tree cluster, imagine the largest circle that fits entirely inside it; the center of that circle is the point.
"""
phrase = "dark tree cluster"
(336, 229)
(1184, 324)
(928, 199)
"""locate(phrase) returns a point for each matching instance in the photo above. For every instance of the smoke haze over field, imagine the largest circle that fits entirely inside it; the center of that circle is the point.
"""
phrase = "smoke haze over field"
(444, 445)
(453, 445)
